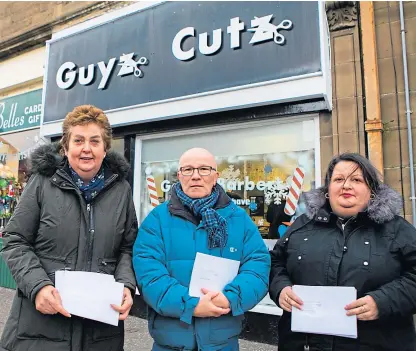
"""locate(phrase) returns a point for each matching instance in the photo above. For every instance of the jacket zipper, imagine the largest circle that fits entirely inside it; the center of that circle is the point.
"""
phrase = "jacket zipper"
(90, 214)
(91, 232)
(91, 224)
(346, 238)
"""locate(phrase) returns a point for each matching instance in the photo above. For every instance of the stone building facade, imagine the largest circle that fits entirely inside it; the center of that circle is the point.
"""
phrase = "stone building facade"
(368, 87)
(368, 112)
(25, 27)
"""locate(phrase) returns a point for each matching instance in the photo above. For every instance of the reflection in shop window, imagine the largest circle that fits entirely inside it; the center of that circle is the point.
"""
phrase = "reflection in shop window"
(266, 185)
(117, 145)
(15, 149)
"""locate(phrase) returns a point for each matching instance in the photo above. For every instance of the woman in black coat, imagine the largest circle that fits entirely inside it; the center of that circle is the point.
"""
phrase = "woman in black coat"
(351, 235)
(76, 213)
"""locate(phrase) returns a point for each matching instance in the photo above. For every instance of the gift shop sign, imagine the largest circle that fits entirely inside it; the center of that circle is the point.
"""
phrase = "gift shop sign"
(21, 112)
(178, 49)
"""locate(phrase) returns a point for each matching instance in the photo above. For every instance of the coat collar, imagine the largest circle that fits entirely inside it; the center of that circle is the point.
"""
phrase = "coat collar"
(46, 160)
(386, 205)
(177, 208)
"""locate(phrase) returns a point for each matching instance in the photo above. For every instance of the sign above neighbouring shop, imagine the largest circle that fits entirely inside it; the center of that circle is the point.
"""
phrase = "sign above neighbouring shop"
(182, 49)
(20, 112)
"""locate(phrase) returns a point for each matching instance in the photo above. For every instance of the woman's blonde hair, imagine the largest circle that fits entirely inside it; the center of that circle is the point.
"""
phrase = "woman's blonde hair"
(83, 115)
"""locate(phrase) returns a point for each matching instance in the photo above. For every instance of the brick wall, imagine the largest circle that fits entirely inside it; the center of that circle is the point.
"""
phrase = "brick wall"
(20, 17)
(391, 80)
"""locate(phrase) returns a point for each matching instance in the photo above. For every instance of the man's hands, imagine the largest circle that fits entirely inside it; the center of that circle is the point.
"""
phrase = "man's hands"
(212, 304)
(220, 300)
(125, 307)
(48, 301)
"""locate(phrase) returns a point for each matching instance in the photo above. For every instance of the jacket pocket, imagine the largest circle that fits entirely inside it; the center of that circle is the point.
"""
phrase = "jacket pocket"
(225, 327)
(107, 265)
(35, 325)
(51, 264)
(102, 331)
(171, 333)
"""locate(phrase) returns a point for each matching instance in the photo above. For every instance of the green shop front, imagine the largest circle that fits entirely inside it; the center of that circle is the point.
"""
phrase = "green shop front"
(19, 135)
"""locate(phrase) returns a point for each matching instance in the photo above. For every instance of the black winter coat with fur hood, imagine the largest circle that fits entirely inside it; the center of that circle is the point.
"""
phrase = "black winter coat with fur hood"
(375, 252)
(52, 229)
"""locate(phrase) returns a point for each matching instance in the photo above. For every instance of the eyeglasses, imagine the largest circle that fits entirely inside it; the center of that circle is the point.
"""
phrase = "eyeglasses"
(202, 171)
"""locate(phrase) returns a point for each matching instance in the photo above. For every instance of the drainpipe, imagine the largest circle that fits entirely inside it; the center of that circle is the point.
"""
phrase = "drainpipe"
(373, 124)
(408, 112)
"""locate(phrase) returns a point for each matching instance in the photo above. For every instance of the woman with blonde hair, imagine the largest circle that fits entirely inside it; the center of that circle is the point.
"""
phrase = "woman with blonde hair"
(75, 213)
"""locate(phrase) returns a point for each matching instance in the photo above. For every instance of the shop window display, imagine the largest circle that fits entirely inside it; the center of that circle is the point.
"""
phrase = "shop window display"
(15, 149)
(267, 185)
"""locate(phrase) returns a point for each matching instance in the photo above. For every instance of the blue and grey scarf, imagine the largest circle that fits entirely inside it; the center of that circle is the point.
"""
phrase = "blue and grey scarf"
(93, 187)
(215, 224)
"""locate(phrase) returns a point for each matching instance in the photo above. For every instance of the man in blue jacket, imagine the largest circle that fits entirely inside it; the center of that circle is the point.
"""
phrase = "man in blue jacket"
(199, 217)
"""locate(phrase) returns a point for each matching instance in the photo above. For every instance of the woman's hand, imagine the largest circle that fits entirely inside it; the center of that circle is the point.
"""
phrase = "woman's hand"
(365, 308)
(48, 301)
(288, 299)
(125, 307)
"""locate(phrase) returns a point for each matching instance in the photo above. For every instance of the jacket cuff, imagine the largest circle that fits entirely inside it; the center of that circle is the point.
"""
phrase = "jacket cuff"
(275, 291)
(132, 290)
(188, 312)
(37, 288)
(234, 301)
(129, 286)
(380, 300)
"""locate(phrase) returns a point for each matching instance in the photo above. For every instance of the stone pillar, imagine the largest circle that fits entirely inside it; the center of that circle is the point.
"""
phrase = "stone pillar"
(347, 82)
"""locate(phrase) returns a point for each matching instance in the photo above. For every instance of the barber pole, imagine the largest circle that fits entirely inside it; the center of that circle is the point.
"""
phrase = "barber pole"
(151, 187)
(294, 191)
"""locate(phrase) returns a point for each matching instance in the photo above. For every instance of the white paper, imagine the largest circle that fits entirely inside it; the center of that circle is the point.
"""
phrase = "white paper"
(89, 295)
(270, 243)
(212, 273)
(323, 310)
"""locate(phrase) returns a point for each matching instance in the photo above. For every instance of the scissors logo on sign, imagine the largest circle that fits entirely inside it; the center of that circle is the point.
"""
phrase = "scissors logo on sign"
(262, 28)
(128, 65)
(69, 73)
(265, 30)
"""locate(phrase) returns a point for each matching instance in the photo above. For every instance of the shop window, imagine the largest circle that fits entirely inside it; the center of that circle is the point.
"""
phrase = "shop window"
(117, 145)
(261, 167)
(15, 149)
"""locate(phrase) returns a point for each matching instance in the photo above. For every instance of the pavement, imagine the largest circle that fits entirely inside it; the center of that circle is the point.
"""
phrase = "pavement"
(137, 337)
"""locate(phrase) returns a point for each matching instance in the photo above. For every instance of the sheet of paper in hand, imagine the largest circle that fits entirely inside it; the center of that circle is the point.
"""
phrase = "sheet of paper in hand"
(212, 273)
(323, 310)
(90, 295)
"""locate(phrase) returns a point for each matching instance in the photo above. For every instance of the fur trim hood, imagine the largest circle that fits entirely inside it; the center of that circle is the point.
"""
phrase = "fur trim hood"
(386, 204)
(46, 159)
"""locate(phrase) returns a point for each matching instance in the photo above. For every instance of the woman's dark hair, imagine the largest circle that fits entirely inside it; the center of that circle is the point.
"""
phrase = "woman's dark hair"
(370, 173)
